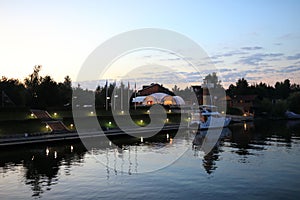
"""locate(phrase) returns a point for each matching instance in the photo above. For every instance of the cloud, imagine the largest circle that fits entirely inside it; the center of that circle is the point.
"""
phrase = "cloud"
(226, 70)
(289, 36)
(217, 61)
(294, 57)
(254, 59)
(251, 48)
(228, 54)
(290, 69)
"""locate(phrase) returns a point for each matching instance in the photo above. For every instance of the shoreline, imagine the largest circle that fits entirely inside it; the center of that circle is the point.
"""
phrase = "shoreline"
(68, 136)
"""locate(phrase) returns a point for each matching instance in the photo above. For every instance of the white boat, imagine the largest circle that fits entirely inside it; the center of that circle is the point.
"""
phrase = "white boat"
(207, 117)
(292, 115)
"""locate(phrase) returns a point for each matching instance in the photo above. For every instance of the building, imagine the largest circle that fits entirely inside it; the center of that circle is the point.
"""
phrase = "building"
(198, 90)
(156, 94)
(154, 88)
(244, 102)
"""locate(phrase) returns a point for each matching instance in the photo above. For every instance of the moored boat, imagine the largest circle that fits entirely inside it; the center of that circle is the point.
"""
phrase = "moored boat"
(292, 115)
(207, 117)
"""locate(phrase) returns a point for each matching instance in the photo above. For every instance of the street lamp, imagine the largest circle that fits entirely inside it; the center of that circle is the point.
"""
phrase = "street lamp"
(115, 96)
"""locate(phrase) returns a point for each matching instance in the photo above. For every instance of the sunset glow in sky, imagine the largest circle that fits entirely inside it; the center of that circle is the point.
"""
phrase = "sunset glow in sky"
(255, 39)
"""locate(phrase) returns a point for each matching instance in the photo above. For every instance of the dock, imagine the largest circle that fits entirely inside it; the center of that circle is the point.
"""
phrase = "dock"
(26, 139)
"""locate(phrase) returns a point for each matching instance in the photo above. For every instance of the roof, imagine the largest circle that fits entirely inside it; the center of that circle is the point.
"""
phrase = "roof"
(154, 88)
(138, 99)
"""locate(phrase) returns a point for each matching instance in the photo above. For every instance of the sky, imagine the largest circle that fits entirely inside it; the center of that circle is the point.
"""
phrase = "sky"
(253, 39)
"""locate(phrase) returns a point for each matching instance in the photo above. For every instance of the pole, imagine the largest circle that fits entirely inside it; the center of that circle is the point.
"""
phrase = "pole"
(2, 98)
(106, 93)
(121, 96)
(135, 95)
(128, 95)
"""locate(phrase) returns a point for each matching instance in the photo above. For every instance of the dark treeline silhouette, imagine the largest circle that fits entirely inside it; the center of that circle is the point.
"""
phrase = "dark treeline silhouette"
(43, 92)
(35, 92)
(272, 100)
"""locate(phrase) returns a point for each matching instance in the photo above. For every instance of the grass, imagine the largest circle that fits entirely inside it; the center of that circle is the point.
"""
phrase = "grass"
(21, 127)
(20, 121)
(15, 115)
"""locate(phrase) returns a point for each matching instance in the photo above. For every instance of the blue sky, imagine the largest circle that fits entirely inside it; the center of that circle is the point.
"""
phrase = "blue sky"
(255, 39)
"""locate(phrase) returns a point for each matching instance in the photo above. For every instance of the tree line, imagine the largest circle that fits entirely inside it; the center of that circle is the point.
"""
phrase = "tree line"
(43, 92)
(35, 91)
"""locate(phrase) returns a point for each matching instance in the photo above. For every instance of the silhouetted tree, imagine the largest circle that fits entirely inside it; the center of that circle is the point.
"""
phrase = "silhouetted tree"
(294, 102)
(31, 83)
(12, 92)
(283, 89)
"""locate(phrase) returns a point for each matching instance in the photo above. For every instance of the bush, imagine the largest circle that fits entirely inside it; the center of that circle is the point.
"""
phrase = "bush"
(294, 102)
(279, 108)
(234, 111)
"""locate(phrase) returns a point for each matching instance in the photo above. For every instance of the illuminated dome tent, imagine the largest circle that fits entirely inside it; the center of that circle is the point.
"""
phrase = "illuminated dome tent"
(157, 94)
(138, 100)
(154, 98)
(173, 101)
(158, 98)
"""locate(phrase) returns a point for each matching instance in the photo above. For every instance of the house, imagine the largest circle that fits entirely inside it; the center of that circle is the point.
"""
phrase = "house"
(154, 88)
(244, 102)
(198, 90)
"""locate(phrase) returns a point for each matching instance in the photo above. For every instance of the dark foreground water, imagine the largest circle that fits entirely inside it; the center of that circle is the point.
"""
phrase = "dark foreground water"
(258, 160)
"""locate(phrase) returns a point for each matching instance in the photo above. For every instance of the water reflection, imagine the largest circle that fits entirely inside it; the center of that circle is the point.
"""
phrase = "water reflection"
(244, 140)
(42, 166)
(209, 143)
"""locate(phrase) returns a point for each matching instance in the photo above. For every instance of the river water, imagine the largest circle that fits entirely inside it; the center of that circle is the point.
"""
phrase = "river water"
(257, 160)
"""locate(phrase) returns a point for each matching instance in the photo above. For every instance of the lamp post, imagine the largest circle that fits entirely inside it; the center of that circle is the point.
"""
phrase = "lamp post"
(115, 96)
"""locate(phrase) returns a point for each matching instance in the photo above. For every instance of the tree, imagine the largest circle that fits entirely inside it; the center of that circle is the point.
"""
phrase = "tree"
(241, 88)
(12, 92)
(33, 80)
(213, 78)
(293, 102)
(175, 89)
(31, 83)
(65, 91)
(283, 89)
(48, 93)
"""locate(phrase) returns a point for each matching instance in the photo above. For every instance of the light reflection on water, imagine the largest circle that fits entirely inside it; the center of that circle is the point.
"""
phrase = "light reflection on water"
(254, 160)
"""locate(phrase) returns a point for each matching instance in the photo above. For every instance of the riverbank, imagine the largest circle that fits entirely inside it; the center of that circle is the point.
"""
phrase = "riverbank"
(27, 139)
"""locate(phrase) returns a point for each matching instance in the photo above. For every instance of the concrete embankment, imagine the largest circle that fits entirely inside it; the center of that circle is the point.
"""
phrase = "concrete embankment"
(67, 136)
(237, 118)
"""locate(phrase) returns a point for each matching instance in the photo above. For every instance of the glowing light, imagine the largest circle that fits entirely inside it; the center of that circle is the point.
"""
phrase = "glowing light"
(47, 151)
(47, 127)
(55, 154)
(32, 115)
(142, 139)
(168, 136)
(109, 123)
(142, 121)
(55, 114)
(71, 125)
(71, 148)
(122, 112)
(110, 143)
(148, 111)
(223, 112)
(32, 158)
(92, 112)
(167, 120)
(245, 126)
(170, 111)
